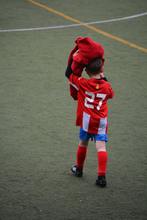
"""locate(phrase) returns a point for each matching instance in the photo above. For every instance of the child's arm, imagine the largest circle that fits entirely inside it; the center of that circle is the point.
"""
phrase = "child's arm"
(74, 80)
(68, 71)
(111, 94)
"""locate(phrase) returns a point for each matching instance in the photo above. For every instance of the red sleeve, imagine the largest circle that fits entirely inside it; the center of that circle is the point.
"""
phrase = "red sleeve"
(75, 81)
(111, 94)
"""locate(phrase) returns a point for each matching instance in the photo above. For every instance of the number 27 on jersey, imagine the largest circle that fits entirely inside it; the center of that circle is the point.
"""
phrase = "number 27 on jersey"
(89, 100)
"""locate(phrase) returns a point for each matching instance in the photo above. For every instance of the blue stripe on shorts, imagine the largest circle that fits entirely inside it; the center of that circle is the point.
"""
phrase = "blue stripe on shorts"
(85, 136)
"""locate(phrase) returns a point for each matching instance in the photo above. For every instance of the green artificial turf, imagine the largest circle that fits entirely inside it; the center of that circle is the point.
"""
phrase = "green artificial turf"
(38, 137)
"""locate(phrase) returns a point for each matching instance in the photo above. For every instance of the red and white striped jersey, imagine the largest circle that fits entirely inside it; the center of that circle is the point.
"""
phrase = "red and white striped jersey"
(92, 109)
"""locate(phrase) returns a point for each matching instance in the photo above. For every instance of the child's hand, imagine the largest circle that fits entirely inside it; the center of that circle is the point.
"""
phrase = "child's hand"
(102, 75)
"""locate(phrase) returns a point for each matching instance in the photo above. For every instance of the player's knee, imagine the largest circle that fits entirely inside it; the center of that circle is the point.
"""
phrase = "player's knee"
(100, 146)
(83, 143)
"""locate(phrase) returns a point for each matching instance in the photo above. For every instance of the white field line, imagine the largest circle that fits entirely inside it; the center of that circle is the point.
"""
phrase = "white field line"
(74, 25)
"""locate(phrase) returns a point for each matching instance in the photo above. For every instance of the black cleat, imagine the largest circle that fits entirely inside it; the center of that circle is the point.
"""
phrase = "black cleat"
(101, 181)
(76, 171)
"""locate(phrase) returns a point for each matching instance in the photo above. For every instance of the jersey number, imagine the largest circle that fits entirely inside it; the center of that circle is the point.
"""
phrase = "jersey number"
(89, 101)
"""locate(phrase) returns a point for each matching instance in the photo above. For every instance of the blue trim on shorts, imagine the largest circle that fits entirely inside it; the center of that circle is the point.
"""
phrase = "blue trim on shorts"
(85, 136)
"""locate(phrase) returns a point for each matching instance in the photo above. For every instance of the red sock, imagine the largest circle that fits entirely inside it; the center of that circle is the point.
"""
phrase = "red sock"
(102, 162)
(81, 155)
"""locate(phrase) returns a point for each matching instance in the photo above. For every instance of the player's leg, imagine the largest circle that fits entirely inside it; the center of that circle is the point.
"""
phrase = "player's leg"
(81, 153)
(102, 158)
(77, 169)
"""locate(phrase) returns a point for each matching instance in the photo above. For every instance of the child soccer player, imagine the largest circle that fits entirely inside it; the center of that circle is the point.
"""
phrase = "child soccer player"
(92, 112)
(85, 50)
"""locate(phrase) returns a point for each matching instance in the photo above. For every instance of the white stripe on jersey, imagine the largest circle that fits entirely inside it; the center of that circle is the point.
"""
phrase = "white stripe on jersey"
(74, 86)
(102, 126)
(86, 119)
